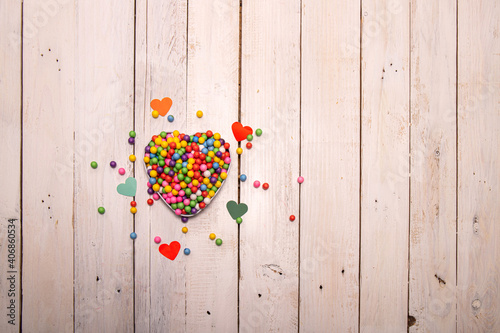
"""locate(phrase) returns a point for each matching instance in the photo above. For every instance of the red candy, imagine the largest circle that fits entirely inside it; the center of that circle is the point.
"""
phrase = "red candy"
(150, 202)
(249, 145)
(292, 218)
(133, 203)
(265, 186)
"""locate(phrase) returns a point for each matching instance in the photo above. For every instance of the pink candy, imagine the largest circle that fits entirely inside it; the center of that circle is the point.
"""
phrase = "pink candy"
(121, 171)
(256, 184)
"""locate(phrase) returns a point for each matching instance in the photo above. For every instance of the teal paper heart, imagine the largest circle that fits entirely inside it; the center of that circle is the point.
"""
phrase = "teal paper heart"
(236, 210)
(129, 188)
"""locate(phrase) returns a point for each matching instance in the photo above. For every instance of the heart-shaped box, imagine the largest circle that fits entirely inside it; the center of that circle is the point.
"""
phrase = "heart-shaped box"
(186, 171)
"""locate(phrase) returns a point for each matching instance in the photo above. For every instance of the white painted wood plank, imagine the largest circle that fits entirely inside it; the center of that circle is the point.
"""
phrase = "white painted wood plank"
(432, 300)
(385, 166)
(329, 230)
(160, 72)
(270, 100)
(103, 118)
(48, 151)
(478, 166)
(10, 164)
(211, 270)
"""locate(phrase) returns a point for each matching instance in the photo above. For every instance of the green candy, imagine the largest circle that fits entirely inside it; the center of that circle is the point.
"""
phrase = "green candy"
(178, 166)
(101, 210)
(93, 164)
(188, 209)
(258, 132)
(225, 166)
(192, 203)
(199, 198)
(174, 206)
(204, 136)
(180, 205)
(188, 190)
(208, 159)
(163, 134)
(180, 177)
(159, 149)
(161, 163)
(154, 160)
(218, 241)
(131, 134)
(151, 144)
(239, 220)
(212, 170)
(184, 170)
(187, 180)
(216, 150)
(249, 137)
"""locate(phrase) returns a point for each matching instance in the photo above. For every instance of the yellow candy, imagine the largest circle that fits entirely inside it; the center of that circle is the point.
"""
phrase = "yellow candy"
(223, 175)
(218, 184)
(133, 210)
(146, 159)
(155, 114)
(191, 161)
(217, 144)
(195, 182)
(211, 194)
(209, 185)
(184, 229)
(183, 184)
(212, 236)
(176, 140)
(178, 146)
(176, 133)
(170, 140)
(163, 153)
(217, 136)
(132, 158)
(206, 181)
(175, 192)
(156, 187)
(158, 140)
(184, 144)
(211, 153)
(201, 140)
(168, 189)
(239, 151)
(199, 114)
(216, 159)
(153, 150)
(153, 173)
(189, 166)
(164, 144)
(190, 173)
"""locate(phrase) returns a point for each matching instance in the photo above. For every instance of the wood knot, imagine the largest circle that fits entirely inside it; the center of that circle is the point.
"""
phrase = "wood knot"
(476, 304)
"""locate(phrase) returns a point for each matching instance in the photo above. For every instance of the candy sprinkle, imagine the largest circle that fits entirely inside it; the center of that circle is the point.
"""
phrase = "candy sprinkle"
(170, 118)
(101, 210)
(157, 239)
(239, 220)
(249, 145)
(133, 210)
(292, 218)
(133, 235)
(121, 171)
(212, 236)
(132, 134)
(187, 251)
(112, 164)
(218, 241)
(184, 230)
(155, 114)
(243, 177)
(265, 186)
(256, 184)
(93, 164)
(300, 180)
(258, 132)
(199, 114)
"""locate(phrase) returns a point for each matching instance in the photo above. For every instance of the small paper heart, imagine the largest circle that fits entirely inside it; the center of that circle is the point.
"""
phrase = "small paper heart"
(236, 210)
(240, 132)
(162, 106)
(170, 250)
(129, 188)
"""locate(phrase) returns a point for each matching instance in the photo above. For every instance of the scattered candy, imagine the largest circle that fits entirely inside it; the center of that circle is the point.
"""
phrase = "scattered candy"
(150, 202)
(239, 151)
(187, 251)
(212, 236)
(133, 235)
(170, 118)
(133, 210)
(112, 164)
(256, 184)
(131, 134)
(249, 145)
(184, 230)
(292, 218)
(249, 137)
(265, 186)
(300, 179)
(101, 210)
(199, 114)
(155, 114)
(258, 132)
(239, 220)
(157, 239)
(133, 203)
(121, 171)
(218, 241)
(186, 171)
(131, 141)
(184, 219)
(93, 164)
(132, 158)
(243, 177)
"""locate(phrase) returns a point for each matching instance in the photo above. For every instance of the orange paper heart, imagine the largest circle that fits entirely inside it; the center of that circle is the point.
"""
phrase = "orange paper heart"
(240, 132)
(162, 106)
(170, 251)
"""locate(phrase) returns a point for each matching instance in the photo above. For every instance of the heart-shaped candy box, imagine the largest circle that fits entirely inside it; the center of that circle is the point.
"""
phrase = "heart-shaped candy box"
(186, 171)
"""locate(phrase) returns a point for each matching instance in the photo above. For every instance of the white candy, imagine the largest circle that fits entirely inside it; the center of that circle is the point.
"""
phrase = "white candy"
(198, 193)
(206, 174)
(222, 149)
(206, 201)
(197, 206)
(193, 196)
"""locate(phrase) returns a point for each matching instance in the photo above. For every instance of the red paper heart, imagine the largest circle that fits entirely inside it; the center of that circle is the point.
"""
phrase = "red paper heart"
(170, 251)
(240, 132)
(162, 106)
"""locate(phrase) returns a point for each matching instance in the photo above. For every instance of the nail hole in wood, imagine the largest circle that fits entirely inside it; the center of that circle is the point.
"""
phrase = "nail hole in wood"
(118, 291)
(208, 312)
(343, 271)
(97, 278)
(320, 286)
(260, 295)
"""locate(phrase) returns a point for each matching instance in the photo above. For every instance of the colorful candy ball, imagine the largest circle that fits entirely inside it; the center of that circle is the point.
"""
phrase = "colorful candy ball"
(265, 186)
(199, 113)
(249, 137)
(300, 180)
(112, 164)
(132, 158)
(133, 235)
(184, 219)
(93, 164)
(133, 203)
(239, 151)
(157, 239)
(239, 220)
(256, 184)
(258, 132)
(101, 210)
(243, 177)
(170, 118)
(184, 230)
(150, 202)
(155, 114)
(249, 145)
(121, 171)
(212, 236)
(132, 134)
(131, 141)
(218, 241)
(133, 210)
(187, 251)
(292, 218)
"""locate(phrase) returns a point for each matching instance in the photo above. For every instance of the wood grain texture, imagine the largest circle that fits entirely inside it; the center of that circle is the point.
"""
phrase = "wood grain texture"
(10, 150)
(478, 167)
(161, 71)
(330, 143)
(385, 166)
(270, 100)
(211, 270)
(48, 153)
(433, 167)
(103, 118)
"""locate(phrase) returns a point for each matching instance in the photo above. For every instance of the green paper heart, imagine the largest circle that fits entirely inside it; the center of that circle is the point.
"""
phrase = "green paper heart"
(129, 188)
(236, 210)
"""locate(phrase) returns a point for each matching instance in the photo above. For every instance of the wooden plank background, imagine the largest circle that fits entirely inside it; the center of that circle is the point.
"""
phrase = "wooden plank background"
(388, 108)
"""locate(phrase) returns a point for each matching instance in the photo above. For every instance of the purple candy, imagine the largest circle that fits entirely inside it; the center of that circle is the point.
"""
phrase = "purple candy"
(213, 180)
(147, 149)
(171, 164)
(112, 164)
(131, 141)
(218, 154)
(218, 170)
(193, 211)
(187, 138)
(184, 157)
(222, 142)
(159, 170)
(150, 190)
(184, 219)
(171, 173)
